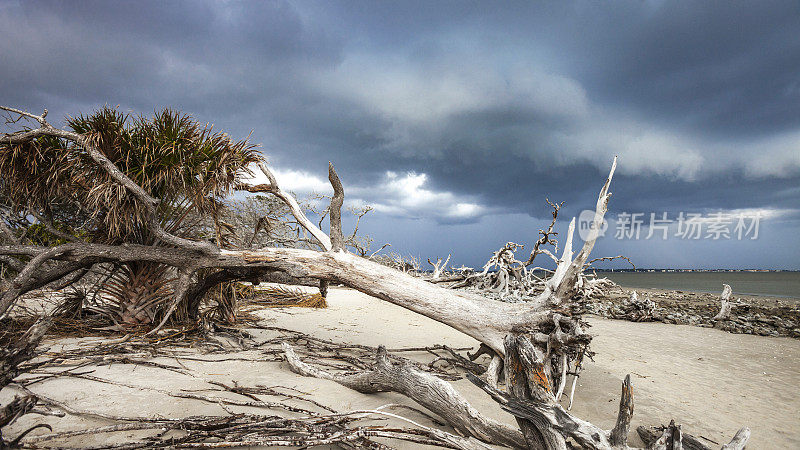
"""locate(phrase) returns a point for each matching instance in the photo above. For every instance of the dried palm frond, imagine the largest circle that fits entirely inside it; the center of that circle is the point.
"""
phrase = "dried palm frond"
(279, 296)
(225, 298)
(71, 306)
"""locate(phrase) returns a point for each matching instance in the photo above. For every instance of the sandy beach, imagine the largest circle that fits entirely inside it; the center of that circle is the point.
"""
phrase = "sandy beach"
(710, 381)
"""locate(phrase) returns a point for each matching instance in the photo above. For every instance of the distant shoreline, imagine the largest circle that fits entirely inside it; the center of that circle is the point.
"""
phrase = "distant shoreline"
(772, 284)
(696, 270)
(706, 296)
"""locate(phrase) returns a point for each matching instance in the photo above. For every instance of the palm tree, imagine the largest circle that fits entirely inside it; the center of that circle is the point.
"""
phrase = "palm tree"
(188, 166)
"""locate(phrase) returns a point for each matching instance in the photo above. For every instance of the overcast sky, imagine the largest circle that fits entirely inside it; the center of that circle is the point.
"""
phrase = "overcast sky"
(455, 120)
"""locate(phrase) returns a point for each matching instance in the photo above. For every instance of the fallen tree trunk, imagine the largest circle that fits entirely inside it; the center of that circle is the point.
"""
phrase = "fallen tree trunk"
(544, 423)
(486, 320)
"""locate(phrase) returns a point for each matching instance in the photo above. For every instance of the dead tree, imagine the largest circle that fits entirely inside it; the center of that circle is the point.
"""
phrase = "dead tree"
(512, 279)
(438, 267)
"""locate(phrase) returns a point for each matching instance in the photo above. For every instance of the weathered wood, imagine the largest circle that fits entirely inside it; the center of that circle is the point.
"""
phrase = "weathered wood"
(273, 188)
(8, 297)
(671, 439)
(438, 268)
(619, 434)
(545, 238)
(584, 433)
(431, 392)
(651, 435)
(725, 307)
(513, 278)
(589, 436)
(494, 370)
(526, 380)
(16, 408)
(448, 279)
(739, 441)
(335, 210)
(21, 349)
(486, 320)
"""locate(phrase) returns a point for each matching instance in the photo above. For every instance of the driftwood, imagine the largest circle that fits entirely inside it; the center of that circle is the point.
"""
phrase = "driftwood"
(507, 278)
(21, 349)
(638, 310)
(438, 267)
(546, 423)
(436, 395)
(305, 426)
(448, 279)
(246, 430)
(13, 353)
(523, 355)
(653, 436)
(725, 308)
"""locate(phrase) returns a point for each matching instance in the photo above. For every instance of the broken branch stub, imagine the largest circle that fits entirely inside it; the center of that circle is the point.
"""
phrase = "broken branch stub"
(337, 239)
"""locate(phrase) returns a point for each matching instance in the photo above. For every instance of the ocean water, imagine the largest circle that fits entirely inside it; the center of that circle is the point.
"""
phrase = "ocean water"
(775, 284)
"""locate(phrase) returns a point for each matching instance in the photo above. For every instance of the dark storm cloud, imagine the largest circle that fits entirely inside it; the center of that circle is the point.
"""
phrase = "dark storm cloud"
(709, 66)
(202, 56)
(498, 105)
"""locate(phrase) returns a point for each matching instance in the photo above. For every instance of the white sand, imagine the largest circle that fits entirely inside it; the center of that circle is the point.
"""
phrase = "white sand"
(710, 381)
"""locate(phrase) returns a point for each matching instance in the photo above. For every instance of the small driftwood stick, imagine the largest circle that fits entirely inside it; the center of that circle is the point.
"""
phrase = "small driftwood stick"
(16, 408)
(739, 441)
